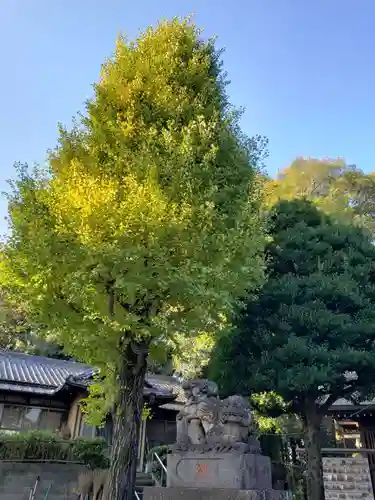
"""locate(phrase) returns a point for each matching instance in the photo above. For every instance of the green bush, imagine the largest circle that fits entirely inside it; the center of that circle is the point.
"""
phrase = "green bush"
(153, 464)
(48, 447)
(161, 450)
(92, 452)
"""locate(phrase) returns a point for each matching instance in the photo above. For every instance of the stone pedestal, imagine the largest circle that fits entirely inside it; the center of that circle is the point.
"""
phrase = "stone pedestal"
(154, 493)
(240, 471)
(206, 425)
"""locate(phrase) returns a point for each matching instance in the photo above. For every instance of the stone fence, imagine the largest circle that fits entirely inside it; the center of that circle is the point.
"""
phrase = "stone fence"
(58, 479)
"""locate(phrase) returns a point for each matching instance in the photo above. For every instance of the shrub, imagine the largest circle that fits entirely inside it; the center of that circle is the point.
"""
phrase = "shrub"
(48, 447)
(154, 465)
(161, 450)
(92, 451)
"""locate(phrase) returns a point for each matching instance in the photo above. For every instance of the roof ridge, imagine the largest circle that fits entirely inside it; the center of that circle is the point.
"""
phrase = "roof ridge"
(34, 357)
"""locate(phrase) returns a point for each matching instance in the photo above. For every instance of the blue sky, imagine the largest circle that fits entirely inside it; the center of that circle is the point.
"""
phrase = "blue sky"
(303, 69)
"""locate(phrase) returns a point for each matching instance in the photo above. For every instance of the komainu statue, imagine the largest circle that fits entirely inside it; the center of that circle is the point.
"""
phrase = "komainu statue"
(206, 423)
(199, 418)
(236, 420)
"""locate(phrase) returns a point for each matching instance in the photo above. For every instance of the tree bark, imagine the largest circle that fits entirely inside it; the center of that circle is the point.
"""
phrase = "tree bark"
(314, 478)
(131, 377)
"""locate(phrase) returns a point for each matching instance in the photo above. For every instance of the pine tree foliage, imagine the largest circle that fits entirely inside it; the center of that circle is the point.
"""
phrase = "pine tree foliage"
(310, 334)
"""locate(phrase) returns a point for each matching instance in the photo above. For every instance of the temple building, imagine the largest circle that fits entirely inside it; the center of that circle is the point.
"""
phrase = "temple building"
(44, 393)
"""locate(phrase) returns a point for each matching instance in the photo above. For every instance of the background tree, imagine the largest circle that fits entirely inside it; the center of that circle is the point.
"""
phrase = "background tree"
(280, 434)
(183, 355)
(310, 334)
(337, 188)
(144, 224)
(17, 333)
(192, 354)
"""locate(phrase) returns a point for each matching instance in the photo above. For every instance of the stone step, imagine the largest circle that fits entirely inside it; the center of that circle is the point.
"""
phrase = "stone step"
(143, 474)
(144, 480)
(141, 484)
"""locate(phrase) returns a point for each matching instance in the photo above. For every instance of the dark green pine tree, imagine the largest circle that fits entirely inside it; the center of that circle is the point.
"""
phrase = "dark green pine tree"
(310, 334)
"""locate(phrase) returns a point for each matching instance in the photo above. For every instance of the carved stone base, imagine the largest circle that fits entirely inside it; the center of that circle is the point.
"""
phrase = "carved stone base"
(152, 493)
(240, 471)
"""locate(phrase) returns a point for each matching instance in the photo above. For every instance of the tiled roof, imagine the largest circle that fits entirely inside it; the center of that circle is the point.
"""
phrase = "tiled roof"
(168, 383)
(25, 373)
(40, 375)
(345, 402)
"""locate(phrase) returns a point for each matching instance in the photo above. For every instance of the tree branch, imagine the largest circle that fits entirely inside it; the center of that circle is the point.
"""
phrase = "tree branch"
(339, 393)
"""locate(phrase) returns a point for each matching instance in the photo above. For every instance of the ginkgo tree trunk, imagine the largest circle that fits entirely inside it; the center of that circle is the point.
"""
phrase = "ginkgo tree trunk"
(144, 224)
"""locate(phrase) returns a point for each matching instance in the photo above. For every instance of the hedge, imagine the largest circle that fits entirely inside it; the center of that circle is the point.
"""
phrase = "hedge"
(48, 447)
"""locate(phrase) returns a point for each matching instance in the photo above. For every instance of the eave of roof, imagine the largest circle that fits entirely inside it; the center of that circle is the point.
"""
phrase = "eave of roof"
(158, 388)
(35, 374)
(46, 376)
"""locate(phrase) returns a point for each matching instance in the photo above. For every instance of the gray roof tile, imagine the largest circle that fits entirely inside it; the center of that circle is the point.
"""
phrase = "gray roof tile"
(26, 373)
(40, 375)
(169, 383)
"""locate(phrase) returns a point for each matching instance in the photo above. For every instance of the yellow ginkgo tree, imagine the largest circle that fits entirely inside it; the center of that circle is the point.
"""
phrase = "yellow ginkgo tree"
(145, 223)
